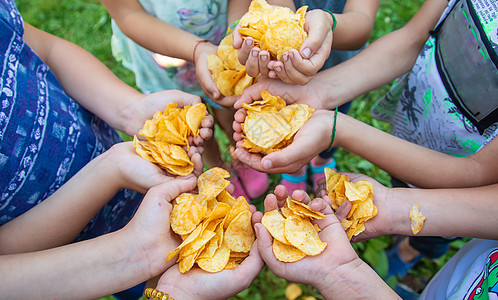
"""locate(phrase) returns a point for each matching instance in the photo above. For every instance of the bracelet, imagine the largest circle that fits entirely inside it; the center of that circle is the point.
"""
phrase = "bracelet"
(195, 48)
(333, 130)
(151, 293)
(232, 27)
(333, 17)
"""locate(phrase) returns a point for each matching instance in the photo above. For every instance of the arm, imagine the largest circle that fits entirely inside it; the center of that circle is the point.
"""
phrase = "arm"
(381, 62)
(78, 200)
(103, 265)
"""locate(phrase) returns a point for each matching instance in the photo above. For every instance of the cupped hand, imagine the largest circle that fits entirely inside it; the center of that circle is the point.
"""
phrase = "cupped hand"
(313, 270)
(150, 230)
(314, 137)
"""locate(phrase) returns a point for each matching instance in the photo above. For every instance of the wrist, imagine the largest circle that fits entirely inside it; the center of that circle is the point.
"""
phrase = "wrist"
(399, 216)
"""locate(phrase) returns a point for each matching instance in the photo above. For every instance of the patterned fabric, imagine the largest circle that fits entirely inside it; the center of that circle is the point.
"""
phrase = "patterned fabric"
(472, 273)
(419, 108)
(335, 6)
(45, 136)
(205, 19)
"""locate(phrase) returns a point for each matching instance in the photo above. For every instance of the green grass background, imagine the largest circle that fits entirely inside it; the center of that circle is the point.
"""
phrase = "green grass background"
(87, 24)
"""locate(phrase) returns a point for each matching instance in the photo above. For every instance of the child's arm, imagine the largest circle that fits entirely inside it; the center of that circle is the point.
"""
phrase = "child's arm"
(101, 266)
(60, 218)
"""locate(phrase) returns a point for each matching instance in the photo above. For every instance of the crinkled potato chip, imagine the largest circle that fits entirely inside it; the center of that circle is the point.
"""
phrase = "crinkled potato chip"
(359, 193)
(216, 229)
(418, 219)
(226, 70)
(270, 125)
(286, 223)
(293, 291)
(166, 133)
(274, 28)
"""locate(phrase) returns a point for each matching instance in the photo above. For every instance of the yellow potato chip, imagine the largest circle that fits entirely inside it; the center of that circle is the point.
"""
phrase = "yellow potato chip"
(293, 291)
(359, 193)
(215, 64)
(286, 253)
(166, 132)
(302, 235)
(418, 219)
(194, 116)
(239, 234)
(274, 223)
(302, 209)
(217, 262)
(186, 216)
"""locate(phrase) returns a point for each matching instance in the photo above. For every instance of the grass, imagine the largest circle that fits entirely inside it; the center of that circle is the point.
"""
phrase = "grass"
(87, 24)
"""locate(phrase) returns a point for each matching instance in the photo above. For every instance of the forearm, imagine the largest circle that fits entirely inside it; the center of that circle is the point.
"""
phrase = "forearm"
(417, 165)
(236, 9)
(60, 218)
(469, 212)
(381, 62)
(85, 270)
(354, 26)
(355, 280)
(150, 32)
(83, 77)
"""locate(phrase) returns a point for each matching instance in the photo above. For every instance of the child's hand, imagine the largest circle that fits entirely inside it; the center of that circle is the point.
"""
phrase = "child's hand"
(149, 230)
(199, 284)
(314, 270)
(307, 94)
(314, 137)
(299, 67)
(144, 108)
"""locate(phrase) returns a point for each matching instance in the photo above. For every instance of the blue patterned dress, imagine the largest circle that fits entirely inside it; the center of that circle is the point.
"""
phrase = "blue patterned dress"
(45, 136)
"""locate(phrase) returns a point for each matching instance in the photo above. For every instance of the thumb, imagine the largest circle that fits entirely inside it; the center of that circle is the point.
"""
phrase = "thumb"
(317, 34)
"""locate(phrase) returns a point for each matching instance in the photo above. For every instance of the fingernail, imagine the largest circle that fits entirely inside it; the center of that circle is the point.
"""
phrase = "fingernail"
(267, 164)
(278, 69)
(307, 52)
(254, 53)
(286, 57)
(248, 42)
(264, 57)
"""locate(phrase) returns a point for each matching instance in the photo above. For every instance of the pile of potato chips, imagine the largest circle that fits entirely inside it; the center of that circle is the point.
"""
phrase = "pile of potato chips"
(270, 124)
(417, 218)
(276, 29)
(166, 133)
(359, 193)
(230, 76)
(294, 236)
(216, 229)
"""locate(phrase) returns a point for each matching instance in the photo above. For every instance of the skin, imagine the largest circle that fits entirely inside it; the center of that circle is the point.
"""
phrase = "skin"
(353, 28)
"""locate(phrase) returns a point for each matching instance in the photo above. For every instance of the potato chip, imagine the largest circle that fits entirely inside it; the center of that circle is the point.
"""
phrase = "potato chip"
(239, 234)
(302, 209)
(270, 125)
(293, 291)
(200, 220)
(418, 219)
(359, 193)
(166, 133)
(274, 223)
(274, 28)
(226, 70)
(286, 253)
(302, 235)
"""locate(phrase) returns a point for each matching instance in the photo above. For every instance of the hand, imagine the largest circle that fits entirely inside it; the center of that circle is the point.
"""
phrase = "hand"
(149, 230)
(314, 137)
(299, 67)
(390, 212)
(199, 284)
(318, 270)
(136, 173)
(146, 106)
(307, 94)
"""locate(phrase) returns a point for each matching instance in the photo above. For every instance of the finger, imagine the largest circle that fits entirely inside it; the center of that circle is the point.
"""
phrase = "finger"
(252, 62)
(317, 31)
(320, 205)
(227, 101)
(171, 189)
(281, 193)
(280, 72)
(237, 38)
(264, 58)
(290, 158)
(252, 160)
(264, 243)
(207, 121)
(198, 164)
(245, 48)
(206, 81)
(206, 133)
(270, 202)
(240, 115)
(297, 65)
(182, 98)
(256, 217)
(301, 196)
(343, 210)
(251, 265)
(292, 72)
